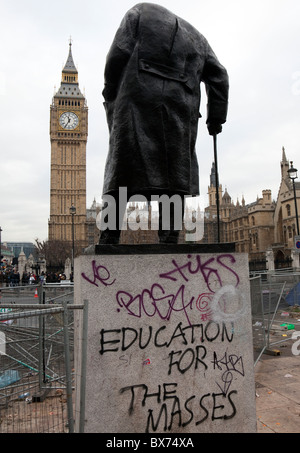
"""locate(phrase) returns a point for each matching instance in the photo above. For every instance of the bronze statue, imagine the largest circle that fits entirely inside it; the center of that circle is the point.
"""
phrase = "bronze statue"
(152, 99)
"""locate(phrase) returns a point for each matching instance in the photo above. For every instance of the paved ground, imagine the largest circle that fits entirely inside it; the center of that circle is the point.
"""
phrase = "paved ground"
(277, 380)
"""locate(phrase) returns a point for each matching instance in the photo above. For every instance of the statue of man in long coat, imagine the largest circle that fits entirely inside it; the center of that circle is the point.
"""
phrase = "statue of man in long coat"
(152, 98)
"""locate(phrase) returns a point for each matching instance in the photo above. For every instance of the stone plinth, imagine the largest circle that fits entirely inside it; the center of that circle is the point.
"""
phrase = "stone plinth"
(169, 339)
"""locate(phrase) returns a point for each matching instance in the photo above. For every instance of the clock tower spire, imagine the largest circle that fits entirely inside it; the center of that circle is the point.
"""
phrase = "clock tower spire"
(68, 137)
(69, 72)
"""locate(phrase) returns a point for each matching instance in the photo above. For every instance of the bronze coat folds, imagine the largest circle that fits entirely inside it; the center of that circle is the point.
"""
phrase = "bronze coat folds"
(152, 99)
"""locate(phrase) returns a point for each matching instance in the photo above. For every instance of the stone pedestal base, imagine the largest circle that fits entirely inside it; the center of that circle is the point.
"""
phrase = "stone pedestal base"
(169, 345)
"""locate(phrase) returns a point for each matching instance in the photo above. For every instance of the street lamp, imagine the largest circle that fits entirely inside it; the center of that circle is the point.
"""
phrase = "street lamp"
(36, 267)
(73, 212)
(293, 175)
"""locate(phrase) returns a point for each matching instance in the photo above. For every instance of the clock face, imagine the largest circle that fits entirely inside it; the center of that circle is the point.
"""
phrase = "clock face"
(68, 120)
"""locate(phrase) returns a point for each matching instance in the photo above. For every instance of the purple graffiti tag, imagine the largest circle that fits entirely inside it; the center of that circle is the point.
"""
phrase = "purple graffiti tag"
(203, 305)
(208, 269)
(101, 274)
(125, 299)
(233, 260)
(187, 269)
(182, 306)
(154, 302)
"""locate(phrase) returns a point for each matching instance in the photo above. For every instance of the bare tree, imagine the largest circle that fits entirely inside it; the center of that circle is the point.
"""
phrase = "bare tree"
(55, 253)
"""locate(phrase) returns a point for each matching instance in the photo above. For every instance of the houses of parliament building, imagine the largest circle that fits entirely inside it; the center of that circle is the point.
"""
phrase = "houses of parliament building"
(264, 229)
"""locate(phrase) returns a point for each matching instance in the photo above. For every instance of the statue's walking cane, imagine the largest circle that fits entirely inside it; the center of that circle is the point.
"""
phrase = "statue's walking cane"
(217, 185)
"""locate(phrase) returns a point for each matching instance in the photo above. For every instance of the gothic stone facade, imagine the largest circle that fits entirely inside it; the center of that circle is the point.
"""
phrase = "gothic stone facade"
(263, 228)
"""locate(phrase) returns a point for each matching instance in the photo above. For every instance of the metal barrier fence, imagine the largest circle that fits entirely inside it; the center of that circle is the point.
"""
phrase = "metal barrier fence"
(37, 360)
(272, 294)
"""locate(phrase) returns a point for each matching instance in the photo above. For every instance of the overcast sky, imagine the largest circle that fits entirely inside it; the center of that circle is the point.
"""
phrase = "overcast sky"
(258, 42)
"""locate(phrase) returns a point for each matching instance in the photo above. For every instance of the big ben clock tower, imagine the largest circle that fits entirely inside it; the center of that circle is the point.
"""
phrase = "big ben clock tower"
(68, 135)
